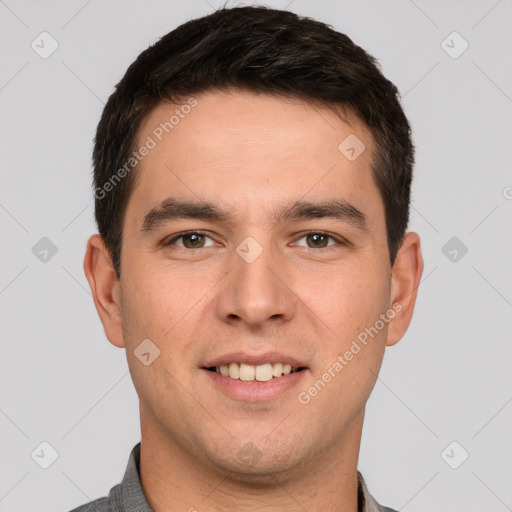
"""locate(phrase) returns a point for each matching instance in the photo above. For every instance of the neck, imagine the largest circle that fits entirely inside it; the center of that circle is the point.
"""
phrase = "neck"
(174, 479)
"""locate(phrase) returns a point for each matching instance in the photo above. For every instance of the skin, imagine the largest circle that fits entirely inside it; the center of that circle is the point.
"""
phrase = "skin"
(249, 154)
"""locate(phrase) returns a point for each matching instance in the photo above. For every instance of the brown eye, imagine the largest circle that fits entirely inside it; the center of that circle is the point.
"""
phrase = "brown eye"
(317, 240)
(191, 240)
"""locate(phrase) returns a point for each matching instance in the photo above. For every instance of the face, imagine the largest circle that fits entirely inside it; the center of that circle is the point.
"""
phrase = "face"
(252, 244)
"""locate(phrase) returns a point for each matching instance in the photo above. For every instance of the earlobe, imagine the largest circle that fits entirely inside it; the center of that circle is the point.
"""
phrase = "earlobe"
(105, 288)
(405, 279)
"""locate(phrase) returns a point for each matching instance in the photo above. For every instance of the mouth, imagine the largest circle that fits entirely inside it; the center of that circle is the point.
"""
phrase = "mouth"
(255, 377)
(260, 373)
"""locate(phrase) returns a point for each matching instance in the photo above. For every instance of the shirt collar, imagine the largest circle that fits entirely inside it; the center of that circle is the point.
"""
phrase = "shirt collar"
(366, 501)
(129, 496)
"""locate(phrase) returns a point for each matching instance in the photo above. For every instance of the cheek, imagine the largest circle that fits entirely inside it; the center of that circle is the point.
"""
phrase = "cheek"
(169, 309)
(157, 308)
(348, 302)
(350, 351)
(347, 298)
(157, 301)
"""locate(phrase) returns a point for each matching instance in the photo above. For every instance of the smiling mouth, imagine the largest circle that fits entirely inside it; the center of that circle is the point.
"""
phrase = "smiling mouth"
(251, 373)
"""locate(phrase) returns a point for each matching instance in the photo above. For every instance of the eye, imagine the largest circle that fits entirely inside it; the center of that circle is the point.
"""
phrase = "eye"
(190, 240)
(318, 240)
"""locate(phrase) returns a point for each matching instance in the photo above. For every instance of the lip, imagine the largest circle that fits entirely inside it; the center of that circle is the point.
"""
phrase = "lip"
(254, 359)
(254, 391)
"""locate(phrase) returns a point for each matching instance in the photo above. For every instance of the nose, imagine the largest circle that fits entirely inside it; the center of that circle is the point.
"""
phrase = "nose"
(255, 292)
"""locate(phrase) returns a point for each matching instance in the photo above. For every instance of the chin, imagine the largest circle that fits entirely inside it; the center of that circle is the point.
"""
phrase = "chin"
(259, 468)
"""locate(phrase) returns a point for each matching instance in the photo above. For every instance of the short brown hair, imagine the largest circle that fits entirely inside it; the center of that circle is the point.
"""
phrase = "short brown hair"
(261, 50)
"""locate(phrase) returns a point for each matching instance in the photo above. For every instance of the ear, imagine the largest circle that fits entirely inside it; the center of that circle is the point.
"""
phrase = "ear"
(405, 279)
(105, 288)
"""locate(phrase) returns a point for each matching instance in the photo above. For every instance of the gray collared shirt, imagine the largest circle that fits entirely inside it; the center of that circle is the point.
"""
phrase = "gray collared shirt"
(128, 496)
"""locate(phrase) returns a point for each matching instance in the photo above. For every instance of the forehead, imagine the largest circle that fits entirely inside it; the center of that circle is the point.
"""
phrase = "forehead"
(244, 149)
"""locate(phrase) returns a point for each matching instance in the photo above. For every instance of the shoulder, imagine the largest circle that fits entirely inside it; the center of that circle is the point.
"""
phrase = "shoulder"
(100, 505)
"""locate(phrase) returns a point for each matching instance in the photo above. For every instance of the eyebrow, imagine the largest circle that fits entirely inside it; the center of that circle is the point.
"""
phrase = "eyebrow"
(172, 209)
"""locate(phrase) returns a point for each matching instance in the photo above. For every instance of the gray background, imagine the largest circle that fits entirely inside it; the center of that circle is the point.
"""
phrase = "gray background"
(448, 380)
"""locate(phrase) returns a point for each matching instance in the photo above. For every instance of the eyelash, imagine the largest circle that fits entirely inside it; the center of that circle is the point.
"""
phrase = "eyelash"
(304, 234)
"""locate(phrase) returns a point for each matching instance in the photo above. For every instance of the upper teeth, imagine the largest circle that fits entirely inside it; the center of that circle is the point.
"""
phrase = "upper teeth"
(247, 372)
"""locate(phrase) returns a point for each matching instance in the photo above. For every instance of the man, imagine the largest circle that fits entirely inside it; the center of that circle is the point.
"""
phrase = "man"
(252, 177)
